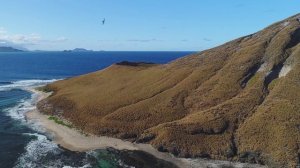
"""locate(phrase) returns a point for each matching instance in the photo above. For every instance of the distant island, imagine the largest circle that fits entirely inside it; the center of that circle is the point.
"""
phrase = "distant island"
(78, 50)
(9, 49)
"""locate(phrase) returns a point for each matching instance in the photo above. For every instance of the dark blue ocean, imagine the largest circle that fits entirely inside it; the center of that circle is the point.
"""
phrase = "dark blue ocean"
(25, 145)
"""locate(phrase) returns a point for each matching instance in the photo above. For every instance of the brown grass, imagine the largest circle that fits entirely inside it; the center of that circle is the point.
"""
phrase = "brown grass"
(212, 104)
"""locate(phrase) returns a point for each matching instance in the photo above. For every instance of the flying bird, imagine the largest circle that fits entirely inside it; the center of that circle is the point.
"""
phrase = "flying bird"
(103, 21)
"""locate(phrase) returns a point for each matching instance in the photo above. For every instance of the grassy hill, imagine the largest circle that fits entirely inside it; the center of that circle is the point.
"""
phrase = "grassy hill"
(238, 101)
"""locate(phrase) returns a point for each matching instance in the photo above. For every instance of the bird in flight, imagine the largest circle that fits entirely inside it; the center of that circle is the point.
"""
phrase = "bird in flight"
(103, 21)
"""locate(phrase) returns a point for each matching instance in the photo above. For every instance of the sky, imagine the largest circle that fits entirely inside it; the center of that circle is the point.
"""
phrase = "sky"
(135, 25)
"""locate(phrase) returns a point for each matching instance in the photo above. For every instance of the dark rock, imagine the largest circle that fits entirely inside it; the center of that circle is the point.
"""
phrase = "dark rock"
(128, 135)
(250, 157)
(162, 149)
(146, 138)
(127, 63)
(175, 151)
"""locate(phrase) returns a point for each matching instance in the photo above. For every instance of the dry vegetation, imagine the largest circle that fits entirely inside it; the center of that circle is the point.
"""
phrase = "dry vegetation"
(223, 103)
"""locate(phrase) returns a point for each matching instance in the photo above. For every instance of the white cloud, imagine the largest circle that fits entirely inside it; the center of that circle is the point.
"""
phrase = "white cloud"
(57, 40)
(25, 40)
(2, 30)
(144, 40)
(18, 38)
(30, 39)
(61, 39)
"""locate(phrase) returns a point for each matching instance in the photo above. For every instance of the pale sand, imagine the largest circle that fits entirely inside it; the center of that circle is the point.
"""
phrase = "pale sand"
(75, 141)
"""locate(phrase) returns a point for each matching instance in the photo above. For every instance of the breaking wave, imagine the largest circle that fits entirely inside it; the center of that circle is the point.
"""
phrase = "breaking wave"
(41, 152)
(24, 84)
(18, 111)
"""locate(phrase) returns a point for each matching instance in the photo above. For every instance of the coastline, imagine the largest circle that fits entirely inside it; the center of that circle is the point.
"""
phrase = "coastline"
(73, 140)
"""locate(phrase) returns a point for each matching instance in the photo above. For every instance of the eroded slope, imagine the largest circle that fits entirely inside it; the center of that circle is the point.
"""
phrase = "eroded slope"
(239, 101)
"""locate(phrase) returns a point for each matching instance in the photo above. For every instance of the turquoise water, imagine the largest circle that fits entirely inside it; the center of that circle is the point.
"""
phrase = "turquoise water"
(24, 144)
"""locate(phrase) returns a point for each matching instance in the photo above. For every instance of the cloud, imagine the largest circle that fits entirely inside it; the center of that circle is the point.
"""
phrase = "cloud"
(10, 44)
(144, 40)
(57, 40)
(61, 39)
(25, 40)
(18, 38)
(2, 30)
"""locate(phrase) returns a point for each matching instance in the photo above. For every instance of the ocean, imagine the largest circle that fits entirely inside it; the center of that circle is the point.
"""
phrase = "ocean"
(26, 145)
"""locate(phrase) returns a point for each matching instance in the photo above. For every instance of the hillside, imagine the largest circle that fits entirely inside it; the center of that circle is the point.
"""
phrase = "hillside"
(9, 49)
(238, 101)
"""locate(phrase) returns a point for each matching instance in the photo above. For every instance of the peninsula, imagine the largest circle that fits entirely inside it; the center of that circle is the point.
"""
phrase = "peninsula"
(238, 101)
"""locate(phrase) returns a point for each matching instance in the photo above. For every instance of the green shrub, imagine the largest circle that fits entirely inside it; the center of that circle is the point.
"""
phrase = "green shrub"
(60, 122)
(44, 89)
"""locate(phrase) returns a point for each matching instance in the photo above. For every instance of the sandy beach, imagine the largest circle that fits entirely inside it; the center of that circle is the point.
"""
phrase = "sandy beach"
(75, 141)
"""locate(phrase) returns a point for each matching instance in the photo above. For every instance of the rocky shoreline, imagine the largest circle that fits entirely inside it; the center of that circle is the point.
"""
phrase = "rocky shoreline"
(74, 140)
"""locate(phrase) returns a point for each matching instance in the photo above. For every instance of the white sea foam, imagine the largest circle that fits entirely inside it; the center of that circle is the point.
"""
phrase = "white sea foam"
(18, 112)
(36, 151)
(85, 166)
(39, 148)
(25, 84)
(42, 152)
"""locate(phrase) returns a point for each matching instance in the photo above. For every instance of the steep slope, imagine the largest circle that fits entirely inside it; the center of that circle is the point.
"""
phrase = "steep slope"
(238, 101)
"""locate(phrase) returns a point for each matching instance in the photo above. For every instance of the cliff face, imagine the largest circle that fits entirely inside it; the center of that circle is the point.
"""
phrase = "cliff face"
(238, 101)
